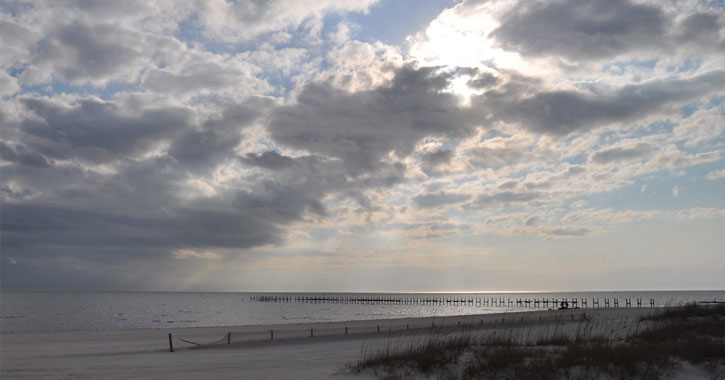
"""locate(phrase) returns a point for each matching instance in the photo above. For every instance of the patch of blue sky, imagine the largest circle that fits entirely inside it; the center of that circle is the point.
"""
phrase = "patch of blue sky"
(16, 71)
(685, 66)
(716, 101)
(579, 159)
(461, 180)
(622, 67)
(282, 84)
(658, 126)
(714, 3)
(694, 190)
(391, 21)
(190, 30)
(689, 109)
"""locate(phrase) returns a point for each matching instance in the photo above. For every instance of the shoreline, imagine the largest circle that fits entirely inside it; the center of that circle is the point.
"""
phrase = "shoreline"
(143, 353)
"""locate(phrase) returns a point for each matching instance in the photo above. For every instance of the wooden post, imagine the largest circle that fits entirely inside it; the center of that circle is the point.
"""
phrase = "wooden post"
(345, 330)
(407, 327)
(229, 338)
(312, 333)
(378, 328)
(271, 334)
(171, 344)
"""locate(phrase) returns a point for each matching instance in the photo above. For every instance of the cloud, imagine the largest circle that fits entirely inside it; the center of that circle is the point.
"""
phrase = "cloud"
(580, 29)
(676, 191)
(562, 112)
(96, 130)
(590, 30)
(531, 221)
(617, 154)
(438, 157)
(22, 155)
(268, 160)
(565, 231)
(716, 174)
(217, 138)
(362, 128)
(81, 52)
(508, 198)
(221, 20)
(439, 199)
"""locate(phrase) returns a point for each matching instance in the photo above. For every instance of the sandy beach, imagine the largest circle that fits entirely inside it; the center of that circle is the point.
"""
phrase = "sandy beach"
(134, 354)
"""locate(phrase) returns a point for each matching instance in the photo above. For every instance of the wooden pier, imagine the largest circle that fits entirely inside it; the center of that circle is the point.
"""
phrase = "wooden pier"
(529, 303)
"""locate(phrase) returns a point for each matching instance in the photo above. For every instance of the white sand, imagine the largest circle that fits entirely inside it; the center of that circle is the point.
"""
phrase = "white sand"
(136, 354)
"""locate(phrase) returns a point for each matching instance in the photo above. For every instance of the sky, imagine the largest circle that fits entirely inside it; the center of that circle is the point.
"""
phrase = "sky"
(362, 145)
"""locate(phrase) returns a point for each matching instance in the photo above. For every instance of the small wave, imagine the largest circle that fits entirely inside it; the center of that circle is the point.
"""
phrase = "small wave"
(14, 316)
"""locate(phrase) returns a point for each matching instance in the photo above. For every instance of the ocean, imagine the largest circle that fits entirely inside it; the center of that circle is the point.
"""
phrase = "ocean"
(22, 311)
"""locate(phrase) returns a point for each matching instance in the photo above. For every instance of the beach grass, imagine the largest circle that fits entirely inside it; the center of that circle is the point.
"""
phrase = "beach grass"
(659, 343)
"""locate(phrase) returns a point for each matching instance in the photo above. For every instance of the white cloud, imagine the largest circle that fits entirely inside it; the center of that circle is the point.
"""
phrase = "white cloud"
(716, 174)
(676, 191)
(243, 20)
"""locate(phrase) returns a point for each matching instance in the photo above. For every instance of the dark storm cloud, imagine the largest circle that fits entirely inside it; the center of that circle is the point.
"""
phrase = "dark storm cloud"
(438, 157)
(96, 130)
(619, 154)
(268, 160)
(580, 29)
(80, 52)
(34, 230)
(362, 128)
(203, 148)
(22, 155)
(439, 199)
(138, 210)
(704, 29)
(563, 112)
(484, 80)
(136, 213)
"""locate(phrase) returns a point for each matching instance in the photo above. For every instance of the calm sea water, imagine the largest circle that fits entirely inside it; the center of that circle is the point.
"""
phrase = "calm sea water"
(70, 311)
